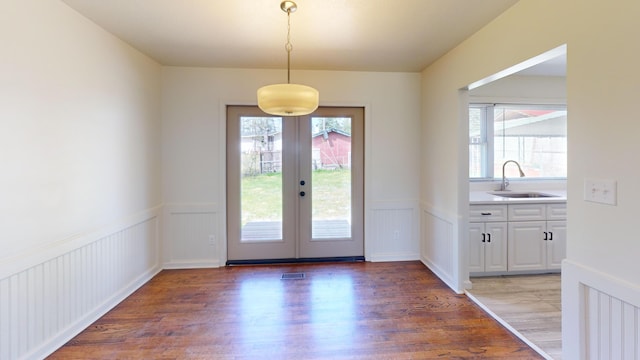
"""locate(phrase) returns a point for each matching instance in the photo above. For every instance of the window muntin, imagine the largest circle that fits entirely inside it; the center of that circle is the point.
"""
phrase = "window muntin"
(533, 135)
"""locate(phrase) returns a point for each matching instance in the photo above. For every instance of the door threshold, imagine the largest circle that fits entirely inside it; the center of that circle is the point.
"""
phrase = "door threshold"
(296, 261)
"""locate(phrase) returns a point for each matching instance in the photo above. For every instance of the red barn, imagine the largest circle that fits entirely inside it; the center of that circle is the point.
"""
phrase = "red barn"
(331, 149)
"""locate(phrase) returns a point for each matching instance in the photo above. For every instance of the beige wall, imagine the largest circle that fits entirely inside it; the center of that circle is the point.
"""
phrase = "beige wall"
(602, 83)
(79, 174)
(80, 127)
(193, 148)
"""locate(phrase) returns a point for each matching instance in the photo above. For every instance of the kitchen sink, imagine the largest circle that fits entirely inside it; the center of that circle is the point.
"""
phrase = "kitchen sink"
(522, 195)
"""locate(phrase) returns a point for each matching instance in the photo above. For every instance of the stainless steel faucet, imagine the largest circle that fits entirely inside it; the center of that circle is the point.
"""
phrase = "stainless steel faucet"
(505, 182)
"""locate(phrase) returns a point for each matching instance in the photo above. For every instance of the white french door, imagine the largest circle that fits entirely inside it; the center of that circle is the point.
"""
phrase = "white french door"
(295, 184)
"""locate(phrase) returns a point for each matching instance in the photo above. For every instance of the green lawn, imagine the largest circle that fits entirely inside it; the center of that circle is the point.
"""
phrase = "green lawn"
(262, 196)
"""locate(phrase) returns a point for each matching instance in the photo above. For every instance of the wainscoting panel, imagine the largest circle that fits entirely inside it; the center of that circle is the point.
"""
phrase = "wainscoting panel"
(192, 237)
(44, 305)
(612, 326)
(600, 315)
(393, 232)
(437, 248)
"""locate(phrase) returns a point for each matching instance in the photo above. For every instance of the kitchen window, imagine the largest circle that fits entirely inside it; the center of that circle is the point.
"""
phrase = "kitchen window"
(533, 135)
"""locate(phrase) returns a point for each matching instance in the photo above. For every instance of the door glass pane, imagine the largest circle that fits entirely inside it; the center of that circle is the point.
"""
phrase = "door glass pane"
(261, 187)
(331, 178)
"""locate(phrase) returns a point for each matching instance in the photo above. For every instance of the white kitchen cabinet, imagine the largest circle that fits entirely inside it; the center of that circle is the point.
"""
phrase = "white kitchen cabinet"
(487, 247)
(556, 244)
(488, 238)
(523, 237)
(534, 242)
(527, 250)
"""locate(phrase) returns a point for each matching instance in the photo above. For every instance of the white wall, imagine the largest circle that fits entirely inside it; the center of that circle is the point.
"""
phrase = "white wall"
(193, 138)
(80, 131)
(602, 83)
(80, 170)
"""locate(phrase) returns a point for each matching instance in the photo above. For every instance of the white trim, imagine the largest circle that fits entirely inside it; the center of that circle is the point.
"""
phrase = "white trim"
(40, 254)
(548, 55)
(192, 264)
(448, 278)
(502, 322)
(394, 257)
(72, 283)
(193, 209)
(621, 289)
(478, 100)
(577, 278)
(222, 143)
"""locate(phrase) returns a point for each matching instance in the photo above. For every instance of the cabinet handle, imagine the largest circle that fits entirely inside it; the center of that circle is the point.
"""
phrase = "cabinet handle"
(485, 213)
(546, 235)
(550, 235)
(488, 237)
(484, 237)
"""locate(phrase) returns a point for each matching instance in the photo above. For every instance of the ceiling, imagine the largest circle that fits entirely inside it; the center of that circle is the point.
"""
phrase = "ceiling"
(355, 35)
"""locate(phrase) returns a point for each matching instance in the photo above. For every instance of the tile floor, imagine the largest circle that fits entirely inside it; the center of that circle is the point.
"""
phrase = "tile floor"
(529, 304)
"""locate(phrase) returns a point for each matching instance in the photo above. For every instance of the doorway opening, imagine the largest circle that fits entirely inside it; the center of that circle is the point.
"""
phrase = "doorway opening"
(518, 114)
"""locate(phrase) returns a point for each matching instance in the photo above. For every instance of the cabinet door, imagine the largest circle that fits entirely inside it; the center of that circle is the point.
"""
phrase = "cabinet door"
(527, 249)
(557, 246)
(476, 247)
(495, 249)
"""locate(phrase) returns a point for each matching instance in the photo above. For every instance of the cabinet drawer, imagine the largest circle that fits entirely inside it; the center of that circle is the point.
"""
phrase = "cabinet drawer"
(557, 211)
(527, 212)
(481, 213)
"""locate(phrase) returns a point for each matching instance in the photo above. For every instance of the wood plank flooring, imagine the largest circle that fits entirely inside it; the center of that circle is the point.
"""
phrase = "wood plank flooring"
(337, 311)
(530, 304)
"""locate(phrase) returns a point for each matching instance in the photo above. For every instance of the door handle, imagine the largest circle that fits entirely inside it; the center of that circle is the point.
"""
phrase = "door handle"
(302, 182)
(302, 193)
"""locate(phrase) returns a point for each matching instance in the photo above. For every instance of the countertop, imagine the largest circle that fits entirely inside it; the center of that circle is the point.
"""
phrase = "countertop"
(485, 197)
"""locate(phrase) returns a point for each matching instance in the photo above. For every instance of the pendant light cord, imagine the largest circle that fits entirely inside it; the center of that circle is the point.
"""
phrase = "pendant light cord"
(288, 46)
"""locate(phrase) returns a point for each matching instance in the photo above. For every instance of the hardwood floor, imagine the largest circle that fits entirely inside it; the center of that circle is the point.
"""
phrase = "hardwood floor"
(337, 311)
(530, 304)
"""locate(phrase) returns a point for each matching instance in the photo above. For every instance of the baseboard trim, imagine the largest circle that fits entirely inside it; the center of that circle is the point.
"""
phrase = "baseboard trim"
(191, 264)
(442, 275)
(296, 261)
(394, 257)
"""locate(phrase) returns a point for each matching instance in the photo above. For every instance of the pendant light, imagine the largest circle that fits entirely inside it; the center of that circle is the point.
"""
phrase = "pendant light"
(288, 99)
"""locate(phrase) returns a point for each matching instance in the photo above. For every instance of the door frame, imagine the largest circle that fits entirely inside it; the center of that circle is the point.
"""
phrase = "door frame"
(222, 136)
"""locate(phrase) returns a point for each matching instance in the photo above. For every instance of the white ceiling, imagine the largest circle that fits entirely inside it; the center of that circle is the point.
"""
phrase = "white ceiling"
(361, 35)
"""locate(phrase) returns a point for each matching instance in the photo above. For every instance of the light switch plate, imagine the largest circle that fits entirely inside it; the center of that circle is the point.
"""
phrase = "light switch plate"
(603, 191)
